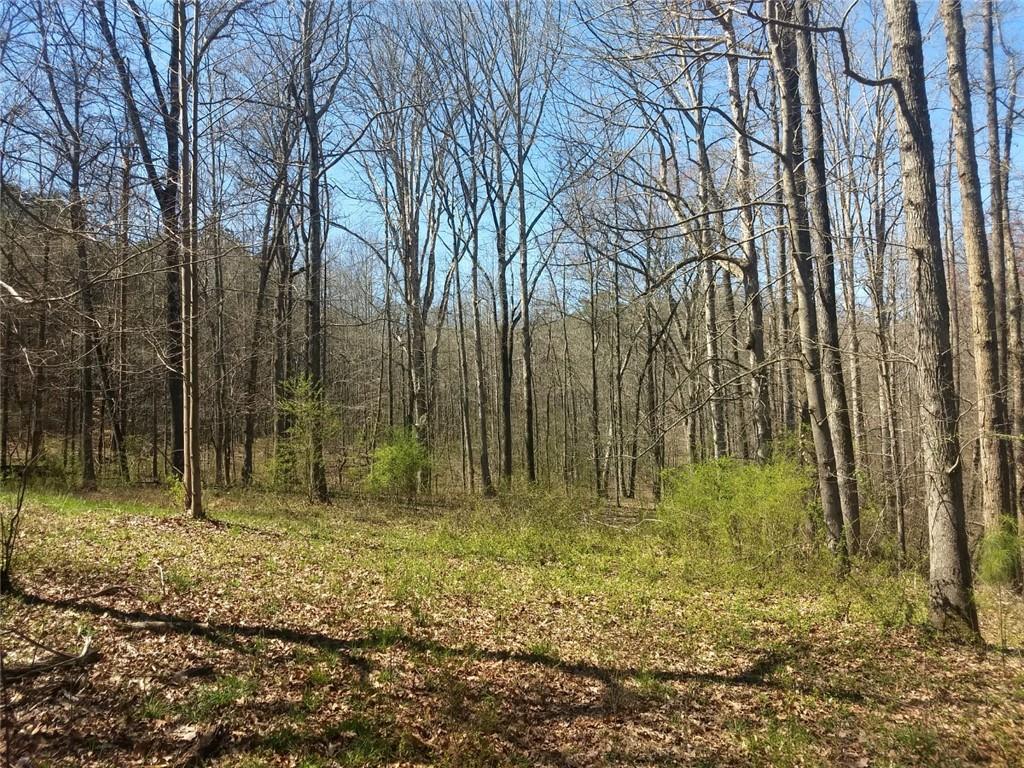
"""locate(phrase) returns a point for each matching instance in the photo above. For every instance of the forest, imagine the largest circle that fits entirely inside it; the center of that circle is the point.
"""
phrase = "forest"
(511, 383)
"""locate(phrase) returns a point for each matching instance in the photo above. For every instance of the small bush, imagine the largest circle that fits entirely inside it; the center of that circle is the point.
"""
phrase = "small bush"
(176, 489)
(311, 420)
(398, 467)
(737, 509)
(999, 557)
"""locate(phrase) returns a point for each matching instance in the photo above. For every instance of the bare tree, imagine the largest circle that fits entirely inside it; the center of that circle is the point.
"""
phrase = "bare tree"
(950, 580)
(988, 380)
(783, 51)
(822, 244)
(163, 182)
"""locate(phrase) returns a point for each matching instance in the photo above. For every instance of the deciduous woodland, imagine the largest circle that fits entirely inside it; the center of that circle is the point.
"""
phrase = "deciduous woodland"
(513, 382)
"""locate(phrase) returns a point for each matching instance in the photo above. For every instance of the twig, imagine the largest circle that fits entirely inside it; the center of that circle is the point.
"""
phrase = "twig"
(87, 656)
(22, 636)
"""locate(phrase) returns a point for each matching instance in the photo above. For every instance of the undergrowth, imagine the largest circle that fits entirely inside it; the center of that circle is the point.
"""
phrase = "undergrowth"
(486, 632)
(726, 526)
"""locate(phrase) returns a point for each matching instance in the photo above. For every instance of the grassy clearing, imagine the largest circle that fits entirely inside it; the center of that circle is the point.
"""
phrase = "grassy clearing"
(535, 630)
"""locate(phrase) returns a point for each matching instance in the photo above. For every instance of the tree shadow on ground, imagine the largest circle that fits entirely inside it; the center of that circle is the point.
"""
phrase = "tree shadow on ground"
(476, 724)
(226, 633)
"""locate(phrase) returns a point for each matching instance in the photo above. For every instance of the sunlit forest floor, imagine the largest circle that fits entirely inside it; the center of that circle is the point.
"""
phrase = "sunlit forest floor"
(517, 633)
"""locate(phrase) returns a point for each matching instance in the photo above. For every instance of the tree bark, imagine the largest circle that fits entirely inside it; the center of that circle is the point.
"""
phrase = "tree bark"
(823, 248)
(481, 377)
(311, 114)
(751, 280)
(192, 470)
(794, 191)
(949, 570)
(991, 398)
(1006, 281)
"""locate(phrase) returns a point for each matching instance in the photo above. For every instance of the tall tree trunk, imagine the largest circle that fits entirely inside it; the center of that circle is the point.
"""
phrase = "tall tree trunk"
(823, 248)
(39, 383)
(464, 407)
(892, 465)
(737, 430)
(712, 337)
(526, 328)
(88, 331)
(271, 253)
(124, 211)
(654, 431)
(282, 354)
(711, 346)
(790, 404)
(165, 190)
(222, 411)
(617, 373)
(1015, 301)
(420, 393)
(595, 413)
(751, 280)
(569, 432)
(505, 355)
(991, 397)
(847, 271)
(996, 245)
(952, 281)
(949, 570)
(794, 190)
(1006, 280)
(192, 474)
(314, 276)
(481, 376)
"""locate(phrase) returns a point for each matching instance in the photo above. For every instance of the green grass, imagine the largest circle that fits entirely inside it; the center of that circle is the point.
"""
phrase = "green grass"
(515, 552)
(212, 699)
(523, 550)
(779, 744)
(544, 649)
(367, 742)
(155, 707)
(384, 636)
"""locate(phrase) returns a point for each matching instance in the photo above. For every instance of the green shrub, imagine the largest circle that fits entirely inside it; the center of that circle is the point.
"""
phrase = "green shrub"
(311, 419)
(529, 522)
(736, 509)
(176, 489)
(999, 557)
(789, 445)
(399, 466)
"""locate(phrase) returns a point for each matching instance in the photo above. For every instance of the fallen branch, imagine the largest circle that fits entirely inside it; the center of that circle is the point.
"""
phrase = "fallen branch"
(57, 660)
(157, 625)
